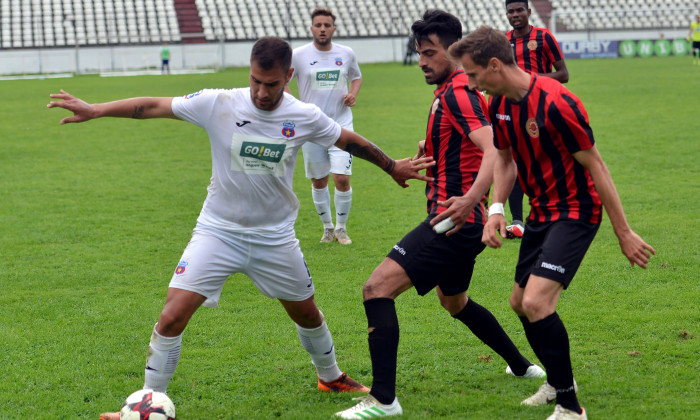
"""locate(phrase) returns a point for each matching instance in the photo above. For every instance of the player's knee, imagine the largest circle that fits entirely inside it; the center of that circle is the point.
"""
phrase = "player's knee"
(342, 183)
(370, 290)
(319, 183)
(453, 304)
(516, 305)
(171, 323)
(533, 308)
(452, 307)
(376, 288)
(310, 318)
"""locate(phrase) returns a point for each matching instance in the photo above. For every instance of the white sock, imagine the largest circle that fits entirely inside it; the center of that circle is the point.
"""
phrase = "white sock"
(161, 360)
(343, 202)
(319, 344)
(322, 201)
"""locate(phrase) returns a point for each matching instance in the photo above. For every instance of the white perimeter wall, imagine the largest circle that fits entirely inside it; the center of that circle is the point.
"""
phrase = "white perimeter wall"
(234, 54)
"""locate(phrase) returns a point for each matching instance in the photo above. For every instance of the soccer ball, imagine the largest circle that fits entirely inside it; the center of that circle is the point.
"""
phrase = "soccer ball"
(147, 404)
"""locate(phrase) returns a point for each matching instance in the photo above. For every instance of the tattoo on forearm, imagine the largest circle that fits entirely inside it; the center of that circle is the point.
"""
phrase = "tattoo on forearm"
(138, 112)
(371, 153)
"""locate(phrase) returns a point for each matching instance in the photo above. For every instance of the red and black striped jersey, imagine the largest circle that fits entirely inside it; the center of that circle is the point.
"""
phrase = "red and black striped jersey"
(544, 130)
(456, 111)
(537, 51)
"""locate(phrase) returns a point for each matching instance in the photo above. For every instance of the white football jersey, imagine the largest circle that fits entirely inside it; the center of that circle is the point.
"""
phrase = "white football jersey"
(323, 77)
(253, 157)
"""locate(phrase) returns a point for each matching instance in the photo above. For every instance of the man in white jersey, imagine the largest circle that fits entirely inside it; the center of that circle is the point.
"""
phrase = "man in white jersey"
(247, 221)
(323, 70)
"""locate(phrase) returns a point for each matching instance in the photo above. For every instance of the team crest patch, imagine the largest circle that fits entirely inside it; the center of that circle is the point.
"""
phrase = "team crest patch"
(532, 129)
(288, 129)
(339, 61)
(532, 45)
(181, 267)
(192, 95)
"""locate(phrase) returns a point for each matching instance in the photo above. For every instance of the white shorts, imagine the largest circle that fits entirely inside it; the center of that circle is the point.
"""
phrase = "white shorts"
(278, 271)
(319, 162)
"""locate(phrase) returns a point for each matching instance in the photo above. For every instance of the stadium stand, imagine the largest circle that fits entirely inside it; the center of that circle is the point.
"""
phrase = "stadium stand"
(55, 23)
(577, 15)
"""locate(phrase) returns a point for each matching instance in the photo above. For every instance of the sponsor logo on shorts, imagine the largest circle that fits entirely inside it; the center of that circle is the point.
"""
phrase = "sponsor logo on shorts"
(192, 95)
(262, 151)
(400, 250)
(553, 267)
(181, 267)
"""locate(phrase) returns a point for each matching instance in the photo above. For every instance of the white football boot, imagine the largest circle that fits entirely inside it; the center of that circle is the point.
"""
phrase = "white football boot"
(561, 413)
(533, 371)
(368, 408)
(545, 395)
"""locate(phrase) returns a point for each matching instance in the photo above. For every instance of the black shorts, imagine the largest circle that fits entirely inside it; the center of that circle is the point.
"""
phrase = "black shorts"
(696, 45)
(431, 259)
(553, 250)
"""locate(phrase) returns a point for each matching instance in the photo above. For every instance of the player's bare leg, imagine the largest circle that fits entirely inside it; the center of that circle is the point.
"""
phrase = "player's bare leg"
(316, 339)
(166, 340)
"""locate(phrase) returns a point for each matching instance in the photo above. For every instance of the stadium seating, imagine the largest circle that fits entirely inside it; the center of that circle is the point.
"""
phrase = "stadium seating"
(55, 23)
(579, 15)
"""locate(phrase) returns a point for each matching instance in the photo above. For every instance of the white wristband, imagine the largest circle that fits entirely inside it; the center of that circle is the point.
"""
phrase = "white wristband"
(497, 208)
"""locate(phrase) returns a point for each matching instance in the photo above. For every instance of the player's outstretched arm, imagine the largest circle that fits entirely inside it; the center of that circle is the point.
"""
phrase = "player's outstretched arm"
(139, 108)
(503, 180)
(632, 245)
(401, 170)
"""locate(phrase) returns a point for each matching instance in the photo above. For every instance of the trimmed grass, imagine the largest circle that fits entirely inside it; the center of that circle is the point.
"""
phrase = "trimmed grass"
(94, 218)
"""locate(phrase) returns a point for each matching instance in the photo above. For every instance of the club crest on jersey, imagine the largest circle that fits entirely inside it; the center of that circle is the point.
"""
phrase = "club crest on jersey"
(532, 45)
(288, 129)
(532, 129)
(339, 61)
(181, 267)
(192, 95)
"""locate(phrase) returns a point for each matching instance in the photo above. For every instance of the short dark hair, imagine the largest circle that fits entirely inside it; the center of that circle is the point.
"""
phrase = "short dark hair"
(482, 45)
(322, 12)
(271, 51)
(446, 26)
(517, 1)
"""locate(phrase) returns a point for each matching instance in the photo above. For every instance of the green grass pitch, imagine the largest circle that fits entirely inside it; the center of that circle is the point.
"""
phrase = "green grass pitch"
(94, 217)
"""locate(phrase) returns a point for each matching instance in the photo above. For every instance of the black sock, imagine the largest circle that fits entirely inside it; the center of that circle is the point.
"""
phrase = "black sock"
(556, 358)
(515, 202)
(383, 338)
(530, 336)
(485, 326)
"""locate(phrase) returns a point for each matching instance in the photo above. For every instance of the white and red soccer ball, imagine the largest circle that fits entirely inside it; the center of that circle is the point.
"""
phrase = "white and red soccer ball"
(146, 404)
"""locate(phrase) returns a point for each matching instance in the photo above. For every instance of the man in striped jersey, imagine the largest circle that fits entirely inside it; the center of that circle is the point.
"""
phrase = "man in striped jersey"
(535, 50)
(541, 131)
(460, 140)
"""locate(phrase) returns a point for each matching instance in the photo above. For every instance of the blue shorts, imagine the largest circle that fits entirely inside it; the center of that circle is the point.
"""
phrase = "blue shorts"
(432, 259)
(553, 250)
